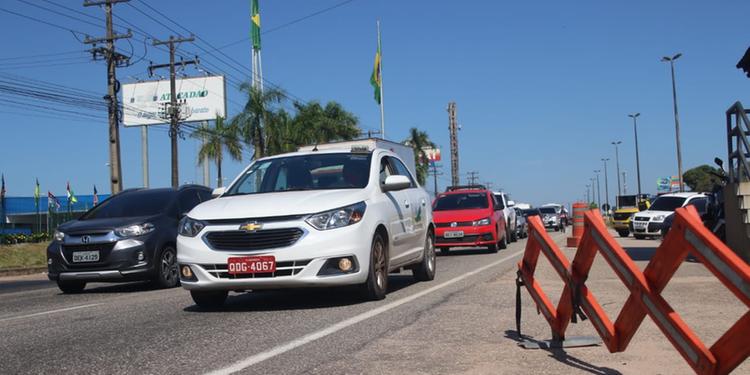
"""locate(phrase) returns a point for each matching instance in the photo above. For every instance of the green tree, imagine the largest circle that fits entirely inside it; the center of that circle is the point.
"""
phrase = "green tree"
(260, 109)
(700, 178)
(222, 137)
(419, 140)
(314, 123)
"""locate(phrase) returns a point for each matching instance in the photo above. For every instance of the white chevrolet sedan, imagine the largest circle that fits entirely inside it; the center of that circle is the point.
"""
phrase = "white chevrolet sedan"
(309, 219)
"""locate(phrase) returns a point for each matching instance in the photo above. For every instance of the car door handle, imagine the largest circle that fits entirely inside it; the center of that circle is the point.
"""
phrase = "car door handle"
(424, 203)
(407, 204)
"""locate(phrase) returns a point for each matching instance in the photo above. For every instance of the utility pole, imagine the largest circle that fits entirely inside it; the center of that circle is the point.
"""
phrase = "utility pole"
(453, 129)
(488, 185)
(206, 170)
(173, 109)
(435, 173)
(624, 184)
(114, 60)
(588, 195)
(606, 186)
(473, 177)
(671, 61)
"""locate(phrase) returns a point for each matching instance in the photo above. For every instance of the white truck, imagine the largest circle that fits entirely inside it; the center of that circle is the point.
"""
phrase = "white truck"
(509, 212)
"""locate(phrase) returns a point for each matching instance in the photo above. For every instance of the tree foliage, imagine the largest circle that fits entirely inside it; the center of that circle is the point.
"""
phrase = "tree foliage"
(700, 178)
(222, 137)
(419, 140)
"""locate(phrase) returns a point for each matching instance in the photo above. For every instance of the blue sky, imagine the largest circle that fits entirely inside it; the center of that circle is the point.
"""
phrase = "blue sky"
(542, 87)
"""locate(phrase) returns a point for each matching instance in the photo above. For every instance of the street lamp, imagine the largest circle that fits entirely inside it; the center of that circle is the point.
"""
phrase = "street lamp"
(606, 186)
(617, 161)
(671, 61)
(598, 190)
(588, 195)
(634, 116)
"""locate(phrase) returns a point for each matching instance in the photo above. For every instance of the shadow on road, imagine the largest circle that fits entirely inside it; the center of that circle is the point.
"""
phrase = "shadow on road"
(131, 287)
(465, 251)
(646, 253)
(301, 299)
(24, 285)
(563, 357)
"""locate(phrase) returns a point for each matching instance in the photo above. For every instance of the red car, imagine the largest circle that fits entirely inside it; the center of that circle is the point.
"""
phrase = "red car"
(468, 216)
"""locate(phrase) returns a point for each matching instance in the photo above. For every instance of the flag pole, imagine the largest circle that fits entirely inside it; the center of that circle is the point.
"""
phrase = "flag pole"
(380, 73)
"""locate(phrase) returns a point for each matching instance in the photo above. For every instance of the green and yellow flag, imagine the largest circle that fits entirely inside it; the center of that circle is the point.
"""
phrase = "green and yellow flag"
(37, 192)
(255, 24)
(375, 79)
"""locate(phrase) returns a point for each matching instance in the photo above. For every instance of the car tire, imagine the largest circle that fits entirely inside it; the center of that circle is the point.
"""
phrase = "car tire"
(167, 274)
(639, 236)
(623, 233)
(503, 244)
(209, 299)
(513, 236)
(71, 287)
(376, 286)
(425, 270)
(444, 250)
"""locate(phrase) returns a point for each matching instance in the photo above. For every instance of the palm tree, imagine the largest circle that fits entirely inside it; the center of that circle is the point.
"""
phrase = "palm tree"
(216, 140)
(256, 115)
(314, 123)
(419, 140)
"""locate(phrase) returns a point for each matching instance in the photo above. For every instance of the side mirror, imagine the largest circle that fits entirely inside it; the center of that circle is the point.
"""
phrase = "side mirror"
(719, 162)
(396, 182)
(218, 191)
(511, 203)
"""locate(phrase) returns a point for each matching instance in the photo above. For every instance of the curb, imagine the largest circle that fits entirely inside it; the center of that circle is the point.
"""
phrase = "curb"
(22, 271)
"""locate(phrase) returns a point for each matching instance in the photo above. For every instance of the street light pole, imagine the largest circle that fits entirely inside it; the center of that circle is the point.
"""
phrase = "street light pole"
(588, 195)
(617, 162)
(634, 116)
(671, 61)
(606, 186)
(598, 190)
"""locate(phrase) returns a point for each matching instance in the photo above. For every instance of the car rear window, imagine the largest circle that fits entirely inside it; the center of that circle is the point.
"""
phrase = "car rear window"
(466, 201)
(140, 203)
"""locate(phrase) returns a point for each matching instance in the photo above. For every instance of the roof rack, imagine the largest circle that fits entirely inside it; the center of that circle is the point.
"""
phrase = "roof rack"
(465, 187)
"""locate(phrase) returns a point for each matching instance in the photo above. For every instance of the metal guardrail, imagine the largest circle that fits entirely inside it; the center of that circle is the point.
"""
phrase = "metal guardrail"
(738, 145)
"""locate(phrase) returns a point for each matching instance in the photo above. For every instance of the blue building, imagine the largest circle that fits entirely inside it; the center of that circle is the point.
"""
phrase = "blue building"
(21, 212)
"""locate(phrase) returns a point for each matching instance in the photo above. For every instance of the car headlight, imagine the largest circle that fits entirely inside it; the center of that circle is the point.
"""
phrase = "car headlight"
(135, 230)
(190, 227)
(659, 217)
(485, 221)
(59, 236)
(338, 218)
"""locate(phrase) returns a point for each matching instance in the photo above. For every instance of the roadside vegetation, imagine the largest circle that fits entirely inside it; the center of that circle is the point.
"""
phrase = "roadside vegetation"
(23, 255)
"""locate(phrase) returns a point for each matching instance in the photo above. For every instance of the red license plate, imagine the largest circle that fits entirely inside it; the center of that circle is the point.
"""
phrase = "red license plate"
(249, 265)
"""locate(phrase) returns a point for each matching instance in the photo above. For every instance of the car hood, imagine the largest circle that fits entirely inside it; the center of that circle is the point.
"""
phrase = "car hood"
(459, 215)
(284, 203)
(101, 225)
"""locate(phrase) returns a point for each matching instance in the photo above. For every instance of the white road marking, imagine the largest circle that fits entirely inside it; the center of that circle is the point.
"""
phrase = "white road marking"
(49, 312)
(281, 349)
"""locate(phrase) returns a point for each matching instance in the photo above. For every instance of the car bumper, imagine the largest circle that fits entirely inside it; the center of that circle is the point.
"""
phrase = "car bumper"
(473, 236)
(121, 264)
(647, 228)
(298, 265)
(621, 225)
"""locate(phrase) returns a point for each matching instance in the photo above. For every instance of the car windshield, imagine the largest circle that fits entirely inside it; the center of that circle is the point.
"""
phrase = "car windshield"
(548, 210)
(139, 203)
(305, 172)
(465, 201)
(531, 212)
(667, 203)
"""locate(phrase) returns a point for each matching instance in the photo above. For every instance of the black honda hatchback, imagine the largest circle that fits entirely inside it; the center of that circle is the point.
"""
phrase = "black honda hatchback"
(127, 237)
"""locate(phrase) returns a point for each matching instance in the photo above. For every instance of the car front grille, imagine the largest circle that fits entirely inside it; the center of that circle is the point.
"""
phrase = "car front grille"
(621, 216)
(237, 240)
(104, 250)
(458, 224)
(463, 239)
(641, 218)
(292, 268)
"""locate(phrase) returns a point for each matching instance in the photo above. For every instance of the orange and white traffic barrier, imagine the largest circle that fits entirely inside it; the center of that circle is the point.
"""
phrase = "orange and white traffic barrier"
(578, 210)
(688, 235)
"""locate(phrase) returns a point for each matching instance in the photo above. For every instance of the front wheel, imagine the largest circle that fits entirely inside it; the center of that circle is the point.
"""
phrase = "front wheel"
(166, 270)
(513, 236)
(71, 287)
(503, 244)
(209, 299)
(639, 236)
(623, 233)
(377, 277)
(425, 270)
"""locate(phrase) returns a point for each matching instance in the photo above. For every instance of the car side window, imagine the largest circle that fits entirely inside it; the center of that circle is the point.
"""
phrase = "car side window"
(499, 201)
(204, 195)
(401, 169)
(700, 204)
(385, 170)
(188, 199)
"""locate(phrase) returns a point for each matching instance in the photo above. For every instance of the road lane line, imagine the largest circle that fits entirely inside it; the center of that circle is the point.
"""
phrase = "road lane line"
(281, 349)
(49, 312)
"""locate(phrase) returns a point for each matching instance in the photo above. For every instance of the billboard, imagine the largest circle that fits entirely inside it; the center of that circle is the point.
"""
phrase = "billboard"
(433, 154)
(143, 102)
(663, 184)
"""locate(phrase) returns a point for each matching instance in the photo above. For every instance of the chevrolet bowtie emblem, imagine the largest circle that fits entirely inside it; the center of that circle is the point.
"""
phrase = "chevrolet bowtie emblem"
(251, 227)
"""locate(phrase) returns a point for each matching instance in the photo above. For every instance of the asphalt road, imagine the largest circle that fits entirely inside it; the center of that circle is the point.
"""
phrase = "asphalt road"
(129, 328)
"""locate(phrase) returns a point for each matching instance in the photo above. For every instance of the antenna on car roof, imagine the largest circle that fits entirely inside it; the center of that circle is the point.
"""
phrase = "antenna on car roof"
(315, 148)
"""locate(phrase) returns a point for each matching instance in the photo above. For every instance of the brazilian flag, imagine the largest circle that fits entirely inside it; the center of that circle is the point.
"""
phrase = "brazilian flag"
(255, 25)
(375, 79)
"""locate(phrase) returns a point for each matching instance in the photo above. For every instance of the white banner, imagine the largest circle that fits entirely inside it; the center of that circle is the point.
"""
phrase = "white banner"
(143, 102)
